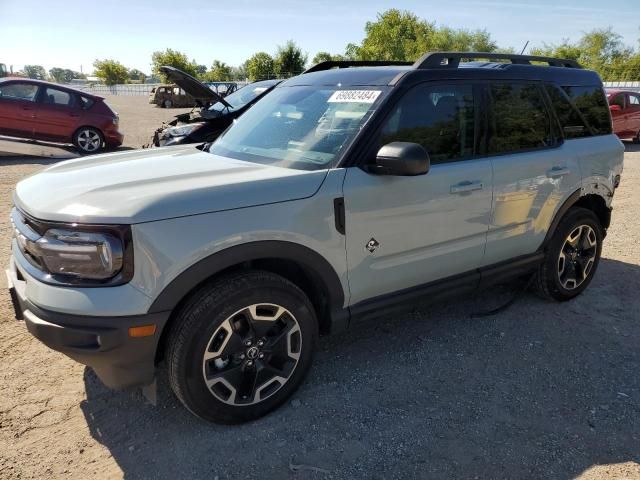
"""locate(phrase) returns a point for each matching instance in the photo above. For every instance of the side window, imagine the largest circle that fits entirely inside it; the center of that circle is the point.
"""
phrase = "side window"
(19, 91)
(86, 102)
(570, 120)
(592, 103)
(618, 100)
(520, 120)
(53, 96)
(634, 101)
(438, 117)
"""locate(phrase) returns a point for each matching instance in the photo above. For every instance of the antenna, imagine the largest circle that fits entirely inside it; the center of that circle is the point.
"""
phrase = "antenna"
(524, 48)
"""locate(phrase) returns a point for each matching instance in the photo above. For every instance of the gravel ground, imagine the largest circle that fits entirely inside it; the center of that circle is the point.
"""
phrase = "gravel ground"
(541, 390)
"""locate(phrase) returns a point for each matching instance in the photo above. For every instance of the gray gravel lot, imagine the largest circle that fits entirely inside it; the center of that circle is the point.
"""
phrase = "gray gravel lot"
(541, 390)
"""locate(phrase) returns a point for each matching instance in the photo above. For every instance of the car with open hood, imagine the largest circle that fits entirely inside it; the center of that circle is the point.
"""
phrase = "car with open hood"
(207, 123)
(185, 91)
(353, 190)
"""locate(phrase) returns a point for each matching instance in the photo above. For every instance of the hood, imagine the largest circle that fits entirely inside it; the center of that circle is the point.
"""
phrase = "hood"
(192, 86)
(148, 185)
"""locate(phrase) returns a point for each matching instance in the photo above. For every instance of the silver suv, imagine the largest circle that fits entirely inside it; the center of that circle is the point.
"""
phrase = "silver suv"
(351, 190)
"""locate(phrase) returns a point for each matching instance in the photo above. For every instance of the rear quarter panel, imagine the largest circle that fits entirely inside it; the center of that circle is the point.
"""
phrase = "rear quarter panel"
(601, 159)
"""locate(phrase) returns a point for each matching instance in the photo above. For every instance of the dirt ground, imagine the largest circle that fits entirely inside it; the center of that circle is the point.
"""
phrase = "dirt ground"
(541, 390)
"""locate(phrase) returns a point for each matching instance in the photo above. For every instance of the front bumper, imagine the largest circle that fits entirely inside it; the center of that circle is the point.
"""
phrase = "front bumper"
(103, 343)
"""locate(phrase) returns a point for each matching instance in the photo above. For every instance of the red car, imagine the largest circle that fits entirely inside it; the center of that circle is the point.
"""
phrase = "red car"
(625, 113)
(40, 110)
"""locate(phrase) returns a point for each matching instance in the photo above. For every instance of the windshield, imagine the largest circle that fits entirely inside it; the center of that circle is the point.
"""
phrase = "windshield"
(304, 127)
(241, 97)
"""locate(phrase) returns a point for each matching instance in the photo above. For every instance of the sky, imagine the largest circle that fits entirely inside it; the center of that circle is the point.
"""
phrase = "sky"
(72, 34)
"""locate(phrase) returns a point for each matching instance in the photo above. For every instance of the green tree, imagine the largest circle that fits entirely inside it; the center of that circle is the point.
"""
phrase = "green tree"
(289, 60)
(601, 50)
(137, 75)
(174, 59)
(201, 70)
(220, 72)
(326, 57)
(401, 35)
(35, 71)
(110, 72)
(64, 75)
(260, 66)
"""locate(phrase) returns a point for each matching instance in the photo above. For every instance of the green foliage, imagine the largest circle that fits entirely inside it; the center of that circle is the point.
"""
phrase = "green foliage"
(260, 66)
(110, 72)
(401, 35)
(327, 57)
(174, 59)
(201, 70)
(289, 60)
(601, 50)
(35, 71)
(137, 75)
(220, 72)
(64, 75)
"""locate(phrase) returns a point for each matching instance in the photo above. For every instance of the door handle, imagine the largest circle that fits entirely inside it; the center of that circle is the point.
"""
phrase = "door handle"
(558, 172)
(25, 107)
(74, 114)
(466, 186)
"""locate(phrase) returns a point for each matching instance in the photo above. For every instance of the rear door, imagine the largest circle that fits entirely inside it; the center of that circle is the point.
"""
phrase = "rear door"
(633, 119)
(58, 114)
(619, 116)
(18, 108)
(533, 170)
(408, 231)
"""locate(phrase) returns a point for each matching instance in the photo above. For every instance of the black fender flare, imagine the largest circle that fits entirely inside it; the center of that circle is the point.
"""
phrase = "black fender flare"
(564, 208)
(310, 260)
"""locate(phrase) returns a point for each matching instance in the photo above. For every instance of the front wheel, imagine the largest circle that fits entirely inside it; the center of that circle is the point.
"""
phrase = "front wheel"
(572, 256)
(241, 346)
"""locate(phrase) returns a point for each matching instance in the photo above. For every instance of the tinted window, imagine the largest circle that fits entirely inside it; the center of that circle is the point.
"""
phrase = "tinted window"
(634, 100)
(53, 96)
(439, 117)
(86, 102)
(593, 105)
(19, 91)
(519, 120)
(570, 120)
(618, 100)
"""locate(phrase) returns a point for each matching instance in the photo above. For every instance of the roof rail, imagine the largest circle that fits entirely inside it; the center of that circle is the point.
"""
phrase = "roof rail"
(452, 59)
(352, 63)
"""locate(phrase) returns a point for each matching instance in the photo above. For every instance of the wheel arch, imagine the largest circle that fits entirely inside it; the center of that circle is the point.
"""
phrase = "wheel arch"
(591, 201)
(77, 130)
(310, 271)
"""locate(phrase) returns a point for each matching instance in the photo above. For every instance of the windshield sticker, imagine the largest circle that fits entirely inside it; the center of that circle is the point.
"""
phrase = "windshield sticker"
(354, 96)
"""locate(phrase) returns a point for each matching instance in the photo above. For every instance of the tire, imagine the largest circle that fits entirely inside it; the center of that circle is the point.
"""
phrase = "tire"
(251, 336)
(88, 140)
(167, 104)
(636, 139)
(572, 256)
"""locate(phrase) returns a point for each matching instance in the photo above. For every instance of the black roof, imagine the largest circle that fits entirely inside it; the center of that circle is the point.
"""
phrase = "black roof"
(448, 66)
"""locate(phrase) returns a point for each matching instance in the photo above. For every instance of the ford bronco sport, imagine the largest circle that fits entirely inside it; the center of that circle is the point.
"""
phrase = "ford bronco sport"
(350, 190)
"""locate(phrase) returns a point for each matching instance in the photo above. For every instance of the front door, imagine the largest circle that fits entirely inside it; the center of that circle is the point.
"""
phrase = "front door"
(407, 231)
(17, 108)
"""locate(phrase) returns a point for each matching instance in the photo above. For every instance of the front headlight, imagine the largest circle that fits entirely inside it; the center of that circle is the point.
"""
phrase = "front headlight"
(95, 256)
(75, 254)
(183, 130)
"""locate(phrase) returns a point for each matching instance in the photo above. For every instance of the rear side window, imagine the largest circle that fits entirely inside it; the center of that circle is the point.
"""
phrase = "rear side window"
(573, 126)
(441, 118)
(53, 96)
(19, 91)
(592, 103)
(86, 103)
(520, 120)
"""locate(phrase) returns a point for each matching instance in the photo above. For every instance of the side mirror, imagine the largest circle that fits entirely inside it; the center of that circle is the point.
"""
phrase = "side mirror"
(402, 159)
(615, 108)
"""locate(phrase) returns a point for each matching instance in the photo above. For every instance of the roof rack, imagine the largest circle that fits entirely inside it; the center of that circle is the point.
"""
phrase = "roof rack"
(352, 63)
(452, 59)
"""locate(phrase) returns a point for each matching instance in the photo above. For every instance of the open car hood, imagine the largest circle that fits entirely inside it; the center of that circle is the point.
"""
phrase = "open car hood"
(192, 86)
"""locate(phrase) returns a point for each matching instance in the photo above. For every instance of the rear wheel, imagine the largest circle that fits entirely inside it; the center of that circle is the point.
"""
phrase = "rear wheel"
(572, 256)
(241, 346)
(167, 103)
(636, 139)
(88, 140)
